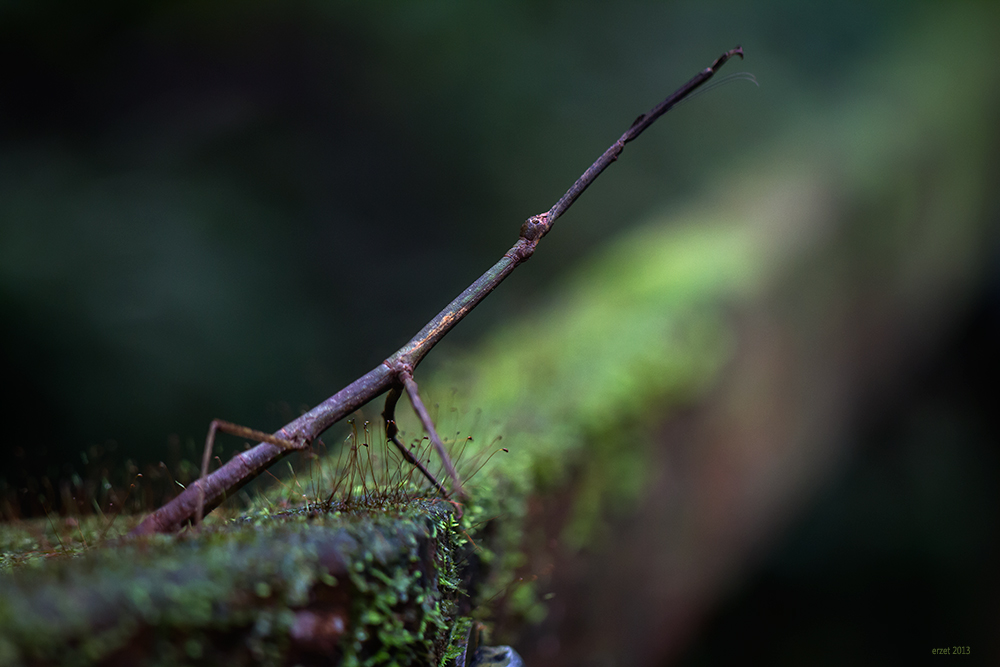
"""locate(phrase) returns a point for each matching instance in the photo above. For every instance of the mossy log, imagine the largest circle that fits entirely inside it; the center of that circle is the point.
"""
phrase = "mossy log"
(664, 411)
(300, 587)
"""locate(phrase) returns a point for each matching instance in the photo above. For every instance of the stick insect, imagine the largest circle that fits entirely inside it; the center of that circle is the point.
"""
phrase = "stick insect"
(395, 374)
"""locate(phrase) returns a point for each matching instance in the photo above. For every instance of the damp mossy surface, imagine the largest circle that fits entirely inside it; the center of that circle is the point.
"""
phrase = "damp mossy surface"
(291, 588)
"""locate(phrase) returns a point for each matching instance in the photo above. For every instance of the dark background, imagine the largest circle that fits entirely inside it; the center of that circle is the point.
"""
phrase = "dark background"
(234, 209)
(897, 556)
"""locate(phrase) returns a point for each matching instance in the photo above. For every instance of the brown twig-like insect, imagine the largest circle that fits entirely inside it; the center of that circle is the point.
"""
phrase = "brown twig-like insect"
(395, 374)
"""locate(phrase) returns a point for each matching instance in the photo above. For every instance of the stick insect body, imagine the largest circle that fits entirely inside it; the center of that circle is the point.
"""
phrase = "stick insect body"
(395, 374)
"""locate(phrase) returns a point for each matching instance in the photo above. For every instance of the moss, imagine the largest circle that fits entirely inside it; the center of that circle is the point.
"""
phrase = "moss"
(33, 542)
(249, 591)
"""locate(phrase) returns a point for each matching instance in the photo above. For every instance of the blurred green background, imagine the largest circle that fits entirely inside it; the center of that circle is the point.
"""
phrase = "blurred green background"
(234, 209)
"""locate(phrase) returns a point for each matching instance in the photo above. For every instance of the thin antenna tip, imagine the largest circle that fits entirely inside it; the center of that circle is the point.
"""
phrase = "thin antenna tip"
(721, 60)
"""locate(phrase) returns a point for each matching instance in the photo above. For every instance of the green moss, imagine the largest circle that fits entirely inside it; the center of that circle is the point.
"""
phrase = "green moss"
(245, 584)
(33, 542)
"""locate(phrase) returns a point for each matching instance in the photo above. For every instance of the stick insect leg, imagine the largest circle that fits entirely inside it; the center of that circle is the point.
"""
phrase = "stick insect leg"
(239, 431)
(425, 419)
(391, 432)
